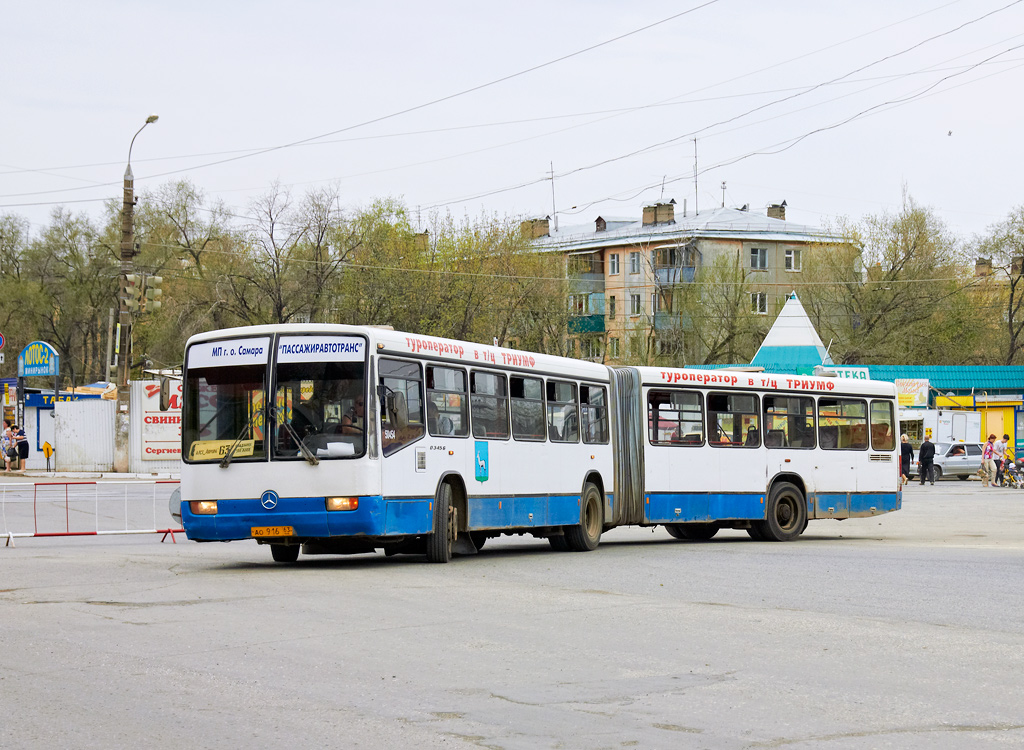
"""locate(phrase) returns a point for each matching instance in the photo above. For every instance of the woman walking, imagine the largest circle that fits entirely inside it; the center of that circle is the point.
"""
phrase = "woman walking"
(988, 464)
(906, 457)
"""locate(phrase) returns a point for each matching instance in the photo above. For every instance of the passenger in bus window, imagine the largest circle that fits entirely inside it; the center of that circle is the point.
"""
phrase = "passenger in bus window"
(438, 424)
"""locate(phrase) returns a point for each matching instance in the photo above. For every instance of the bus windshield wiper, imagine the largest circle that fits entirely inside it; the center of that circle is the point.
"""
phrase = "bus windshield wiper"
(226, 461)
(306, 452)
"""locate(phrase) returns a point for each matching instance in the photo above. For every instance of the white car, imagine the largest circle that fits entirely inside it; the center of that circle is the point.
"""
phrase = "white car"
(961, 460)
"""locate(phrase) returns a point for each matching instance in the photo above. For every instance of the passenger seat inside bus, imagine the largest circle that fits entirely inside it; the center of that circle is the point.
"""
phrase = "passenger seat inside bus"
(775, 438)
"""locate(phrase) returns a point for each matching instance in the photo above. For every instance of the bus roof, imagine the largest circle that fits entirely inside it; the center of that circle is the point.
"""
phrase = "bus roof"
(385, 341)
(765, 381)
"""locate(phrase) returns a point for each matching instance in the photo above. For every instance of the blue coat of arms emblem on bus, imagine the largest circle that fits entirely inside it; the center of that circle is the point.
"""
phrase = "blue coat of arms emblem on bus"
(481, 462)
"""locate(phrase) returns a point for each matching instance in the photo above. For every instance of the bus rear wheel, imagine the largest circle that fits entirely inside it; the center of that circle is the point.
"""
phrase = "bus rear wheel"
(439, 541)
(284, 553)
(786, 515)
(696, 532)
(587, 535)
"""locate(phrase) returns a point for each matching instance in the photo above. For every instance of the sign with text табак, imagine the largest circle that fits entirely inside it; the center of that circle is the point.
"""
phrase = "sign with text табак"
(38, 358)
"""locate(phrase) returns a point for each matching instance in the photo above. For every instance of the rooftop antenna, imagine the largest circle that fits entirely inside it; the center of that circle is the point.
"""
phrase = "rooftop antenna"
(696, 206)
(553, 212)
(723, 193)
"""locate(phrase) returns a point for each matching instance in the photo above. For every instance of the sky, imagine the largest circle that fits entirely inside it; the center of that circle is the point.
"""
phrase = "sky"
(840, 109)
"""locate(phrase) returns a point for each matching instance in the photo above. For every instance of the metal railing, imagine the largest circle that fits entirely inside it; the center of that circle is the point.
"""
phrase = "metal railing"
(87, 508)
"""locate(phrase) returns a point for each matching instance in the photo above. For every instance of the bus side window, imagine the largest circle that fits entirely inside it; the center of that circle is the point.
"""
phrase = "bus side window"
(527, 396)
(788, 421)
(594, 413)
(488, 403)
(883, 436)
(404, 379)
(842, 424)
(675, 417)
(563, 418)
(447, 405)
(733, 420)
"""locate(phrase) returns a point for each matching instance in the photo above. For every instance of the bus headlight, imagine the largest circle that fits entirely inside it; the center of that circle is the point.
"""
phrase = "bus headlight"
(342, 503)
(203, 507)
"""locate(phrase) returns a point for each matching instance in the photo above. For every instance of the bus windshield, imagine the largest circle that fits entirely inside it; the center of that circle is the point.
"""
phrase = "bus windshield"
(322, 404)
(224, 412)
(319, 398)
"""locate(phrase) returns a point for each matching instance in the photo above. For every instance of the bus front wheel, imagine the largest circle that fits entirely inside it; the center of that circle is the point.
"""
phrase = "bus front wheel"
(587, 535)
(439, 541)
(786, 514)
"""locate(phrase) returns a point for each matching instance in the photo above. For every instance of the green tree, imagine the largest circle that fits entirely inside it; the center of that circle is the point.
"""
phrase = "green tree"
(892, 293)
(999, 296)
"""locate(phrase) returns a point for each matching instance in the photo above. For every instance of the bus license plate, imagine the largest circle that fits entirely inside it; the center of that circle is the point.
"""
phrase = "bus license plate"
(268, 531)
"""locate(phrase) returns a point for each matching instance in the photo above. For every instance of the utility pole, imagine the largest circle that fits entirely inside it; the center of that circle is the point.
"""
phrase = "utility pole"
(122, 423)
(554, 211)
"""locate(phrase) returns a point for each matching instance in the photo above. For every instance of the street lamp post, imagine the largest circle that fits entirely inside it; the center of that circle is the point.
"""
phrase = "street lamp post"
(122, 426)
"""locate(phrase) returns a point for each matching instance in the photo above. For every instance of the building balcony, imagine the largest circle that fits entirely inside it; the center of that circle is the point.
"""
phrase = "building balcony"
(666, 320)
(586, 324)
(675, 274)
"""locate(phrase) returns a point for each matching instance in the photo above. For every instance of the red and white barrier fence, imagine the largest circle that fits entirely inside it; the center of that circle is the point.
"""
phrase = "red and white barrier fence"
(87, 508)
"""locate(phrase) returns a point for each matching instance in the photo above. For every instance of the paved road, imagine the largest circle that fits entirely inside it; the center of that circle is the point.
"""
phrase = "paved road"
(904, 631)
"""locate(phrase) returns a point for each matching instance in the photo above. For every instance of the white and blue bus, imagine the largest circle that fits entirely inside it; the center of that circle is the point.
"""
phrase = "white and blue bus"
(347, 439)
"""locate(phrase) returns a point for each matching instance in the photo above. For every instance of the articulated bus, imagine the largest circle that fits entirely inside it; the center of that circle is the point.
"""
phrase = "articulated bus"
(334, 439)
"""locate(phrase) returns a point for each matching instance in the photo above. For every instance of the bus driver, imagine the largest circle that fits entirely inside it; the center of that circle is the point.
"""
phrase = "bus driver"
(354, 422)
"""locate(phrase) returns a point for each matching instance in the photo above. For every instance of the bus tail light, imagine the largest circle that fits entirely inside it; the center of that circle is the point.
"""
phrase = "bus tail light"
(342, 503)
(203, 507)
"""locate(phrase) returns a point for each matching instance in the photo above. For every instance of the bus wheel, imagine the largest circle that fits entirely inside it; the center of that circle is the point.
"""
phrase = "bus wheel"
(696, 532)
(286, 553)
(439, 542)
(786, 514)
(587, 535)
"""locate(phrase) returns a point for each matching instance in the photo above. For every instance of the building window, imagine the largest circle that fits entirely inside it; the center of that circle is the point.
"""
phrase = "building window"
(759, 303)
(635, 304)
(613, 264)
(613, 348)
(758, 258)
(655, 304)
(590, 348)
(793, 260)
(611, 306)
(634, 262)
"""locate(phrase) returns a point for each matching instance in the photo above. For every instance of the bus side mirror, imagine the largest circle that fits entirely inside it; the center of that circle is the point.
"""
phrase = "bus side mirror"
(165, 394)
(399, 411)
(396, 410)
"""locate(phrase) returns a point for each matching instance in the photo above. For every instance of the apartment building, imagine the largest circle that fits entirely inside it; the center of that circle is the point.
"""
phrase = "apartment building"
(625, 271)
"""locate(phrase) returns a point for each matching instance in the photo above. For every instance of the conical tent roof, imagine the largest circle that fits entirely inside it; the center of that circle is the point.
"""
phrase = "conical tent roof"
(792, 343)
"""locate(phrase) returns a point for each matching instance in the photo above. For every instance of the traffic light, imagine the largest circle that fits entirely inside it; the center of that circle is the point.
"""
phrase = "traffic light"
(132, 291)
(153, 293)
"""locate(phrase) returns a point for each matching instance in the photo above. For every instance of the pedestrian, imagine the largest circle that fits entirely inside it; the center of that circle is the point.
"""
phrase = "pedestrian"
(20, 442)
(988, 464)
(1000, 457)
(906, 457)
(7, 445)
(925, 458)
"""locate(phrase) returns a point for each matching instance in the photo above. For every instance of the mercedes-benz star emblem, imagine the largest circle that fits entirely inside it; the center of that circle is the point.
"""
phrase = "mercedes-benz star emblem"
(269, 499)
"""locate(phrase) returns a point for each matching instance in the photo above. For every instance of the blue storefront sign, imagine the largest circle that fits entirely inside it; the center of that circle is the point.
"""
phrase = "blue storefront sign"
(38, 358)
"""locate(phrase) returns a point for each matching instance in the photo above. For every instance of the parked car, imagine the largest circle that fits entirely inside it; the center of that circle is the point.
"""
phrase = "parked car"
(961, 460)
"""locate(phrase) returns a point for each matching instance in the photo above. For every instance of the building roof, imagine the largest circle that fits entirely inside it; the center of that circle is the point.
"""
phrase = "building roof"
(1008, 379)
(720, 223)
